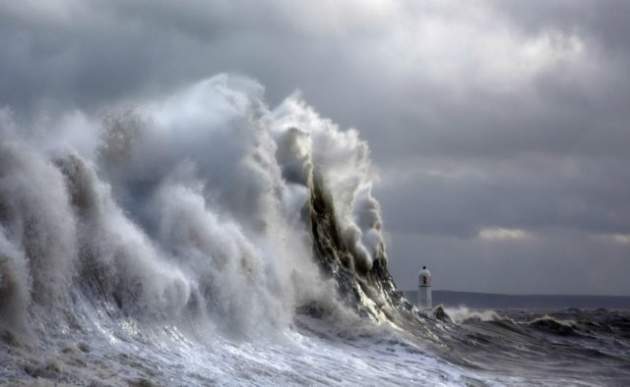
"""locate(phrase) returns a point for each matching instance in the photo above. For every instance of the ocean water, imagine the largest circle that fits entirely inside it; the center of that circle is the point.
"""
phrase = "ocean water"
(204, 238)
(527, 302)
(473, 347)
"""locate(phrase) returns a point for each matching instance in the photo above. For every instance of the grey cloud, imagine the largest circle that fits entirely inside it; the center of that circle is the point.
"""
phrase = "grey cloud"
(585, 196)
(480, 114)
(603, 21)
(528, 267)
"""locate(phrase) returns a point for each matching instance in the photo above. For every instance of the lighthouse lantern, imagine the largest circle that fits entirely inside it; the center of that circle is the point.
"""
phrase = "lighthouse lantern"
(424, 289)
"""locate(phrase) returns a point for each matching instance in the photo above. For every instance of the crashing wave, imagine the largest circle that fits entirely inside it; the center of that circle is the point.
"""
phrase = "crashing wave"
(203, 205)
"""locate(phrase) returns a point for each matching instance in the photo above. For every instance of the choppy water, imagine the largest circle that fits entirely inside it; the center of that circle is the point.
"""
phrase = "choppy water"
(585, 348)
(570, 347)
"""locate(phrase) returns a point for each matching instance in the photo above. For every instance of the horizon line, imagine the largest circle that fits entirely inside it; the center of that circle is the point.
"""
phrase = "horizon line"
(527, 294)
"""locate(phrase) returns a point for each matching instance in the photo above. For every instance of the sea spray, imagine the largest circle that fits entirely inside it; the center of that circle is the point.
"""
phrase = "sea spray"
(193, 204)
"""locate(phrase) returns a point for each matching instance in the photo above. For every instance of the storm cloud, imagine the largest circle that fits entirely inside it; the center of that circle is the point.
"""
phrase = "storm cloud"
(499, 129)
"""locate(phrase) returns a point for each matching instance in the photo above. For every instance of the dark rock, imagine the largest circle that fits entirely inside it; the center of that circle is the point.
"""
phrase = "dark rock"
(440, 314)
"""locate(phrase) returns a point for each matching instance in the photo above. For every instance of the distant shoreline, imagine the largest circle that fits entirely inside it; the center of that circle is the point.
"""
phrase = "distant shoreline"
(526, 301)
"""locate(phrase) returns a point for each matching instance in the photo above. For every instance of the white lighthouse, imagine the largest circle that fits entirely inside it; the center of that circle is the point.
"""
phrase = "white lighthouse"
(424, 289)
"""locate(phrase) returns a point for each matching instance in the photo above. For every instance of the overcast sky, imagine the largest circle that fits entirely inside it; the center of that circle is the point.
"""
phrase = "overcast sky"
(500, 129)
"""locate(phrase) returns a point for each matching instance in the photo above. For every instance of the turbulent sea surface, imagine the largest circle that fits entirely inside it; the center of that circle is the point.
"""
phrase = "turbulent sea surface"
(204, 238)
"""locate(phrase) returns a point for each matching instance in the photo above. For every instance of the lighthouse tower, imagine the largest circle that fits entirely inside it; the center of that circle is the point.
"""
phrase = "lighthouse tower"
(424, 289)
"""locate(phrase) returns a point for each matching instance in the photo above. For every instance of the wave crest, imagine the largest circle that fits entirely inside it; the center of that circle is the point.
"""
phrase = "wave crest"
(203, 205)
